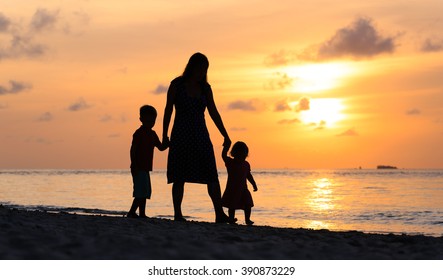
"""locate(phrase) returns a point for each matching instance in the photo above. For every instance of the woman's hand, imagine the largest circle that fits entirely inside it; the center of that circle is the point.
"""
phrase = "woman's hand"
(227, 142)
(165, 139)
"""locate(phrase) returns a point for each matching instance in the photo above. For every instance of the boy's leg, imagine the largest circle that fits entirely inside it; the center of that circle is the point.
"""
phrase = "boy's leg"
(248, 216)
(142, 208)
(134, 206)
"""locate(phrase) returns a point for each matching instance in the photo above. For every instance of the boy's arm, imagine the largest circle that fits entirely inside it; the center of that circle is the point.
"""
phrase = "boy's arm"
(161, 145)
(252, 181)
(133, 154)
(164, 145)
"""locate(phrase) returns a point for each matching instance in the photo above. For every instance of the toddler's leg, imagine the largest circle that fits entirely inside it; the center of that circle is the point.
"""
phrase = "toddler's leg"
(232, 218)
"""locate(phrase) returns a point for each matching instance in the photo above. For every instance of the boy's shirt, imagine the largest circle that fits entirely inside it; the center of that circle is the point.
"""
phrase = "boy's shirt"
(142, 149)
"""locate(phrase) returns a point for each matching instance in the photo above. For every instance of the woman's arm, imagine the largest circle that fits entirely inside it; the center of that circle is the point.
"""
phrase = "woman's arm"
(225, 152)
(215, 116)
(170, 99)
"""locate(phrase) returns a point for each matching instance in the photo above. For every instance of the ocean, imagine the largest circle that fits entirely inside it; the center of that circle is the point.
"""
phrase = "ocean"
(377, 201)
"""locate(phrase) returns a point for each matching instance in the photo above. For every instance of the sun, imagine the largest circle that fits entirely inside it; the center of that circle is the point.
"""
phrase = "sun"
(318, 77)
(325, 112)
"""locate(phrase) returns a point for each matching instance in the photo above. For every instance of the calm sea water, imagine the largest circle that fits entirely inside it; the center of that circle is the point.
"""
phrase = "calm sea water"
(387, 201)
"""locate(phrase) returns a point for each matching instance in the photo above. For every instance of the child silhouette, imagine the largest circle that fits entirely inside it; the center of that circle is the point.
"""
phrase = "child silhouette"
(237, 195)
(142, 152)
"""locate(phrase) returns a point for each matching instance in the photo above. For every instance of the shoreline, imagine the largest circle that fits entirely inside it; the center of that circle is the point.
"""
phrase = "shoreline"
(54, 236)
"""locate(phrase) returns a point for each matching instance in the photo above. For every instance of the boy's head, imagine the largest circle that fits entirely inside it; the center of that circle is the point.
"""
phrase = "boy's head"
(240, 150)
(148, 115)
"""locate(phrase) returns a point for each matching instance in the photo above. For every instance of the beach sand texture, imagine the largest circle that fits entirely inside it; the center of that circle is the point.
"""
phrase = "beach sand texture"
(53, 236)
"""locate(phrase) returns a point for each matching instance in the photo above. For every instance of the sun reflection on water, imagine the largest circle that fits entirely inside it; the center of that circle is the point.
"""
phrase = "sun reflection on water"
(320, 201)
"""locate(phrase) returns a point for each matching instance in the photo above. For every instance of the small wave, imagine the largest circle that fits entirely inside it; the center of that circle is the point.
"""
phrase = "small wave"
(72, 210)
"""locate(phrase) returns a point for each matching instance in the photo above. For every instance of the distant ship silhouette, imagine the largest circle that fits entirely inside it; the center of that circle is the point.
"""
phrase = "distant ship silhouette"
(386, 167)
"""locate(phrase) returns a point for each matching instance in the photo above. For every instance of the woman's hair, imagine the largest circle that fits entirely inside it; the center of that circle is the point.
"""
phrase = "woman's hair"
(197, 60)
(239, 150)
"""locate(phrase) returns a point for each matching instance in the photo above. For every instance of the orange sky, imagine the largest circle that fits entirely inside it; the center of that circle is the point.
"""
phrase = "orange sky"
(306, 84)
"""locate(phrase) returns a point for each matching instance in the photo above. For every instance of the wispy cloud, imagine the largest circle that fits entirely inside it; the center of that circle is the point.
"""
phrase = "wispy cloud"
(289, 121)
(160, 89)
(246, 105)
(413, 111)
(280, 58)
(432, 45)
(106, 118)
(22, 39)
(320, 125)
(349, 132)
(282, 105)
(238, 129)
(79, 105)
(4, 23)
(45, 117)
(281, 81)
(14, 87)
(43, 20)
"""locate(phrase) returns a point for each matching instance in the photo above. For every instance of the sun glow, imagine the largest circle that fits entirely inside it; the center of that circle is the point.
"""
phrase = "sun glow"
(325, 112)
(318, 77)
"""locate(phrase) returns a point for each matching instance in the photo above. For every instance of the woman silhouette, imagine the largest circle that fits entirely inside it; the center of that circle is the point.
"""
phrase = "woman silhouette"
(191, 154)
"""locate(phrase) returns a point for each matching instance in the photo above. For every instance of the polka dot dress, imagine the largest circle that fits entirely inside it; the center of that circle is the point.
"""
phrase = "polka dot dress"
(191, 154)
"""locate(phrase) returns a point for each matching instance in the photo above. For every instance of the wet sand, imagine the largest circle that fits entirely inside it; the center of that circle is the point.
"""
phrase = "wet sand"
(53, 236)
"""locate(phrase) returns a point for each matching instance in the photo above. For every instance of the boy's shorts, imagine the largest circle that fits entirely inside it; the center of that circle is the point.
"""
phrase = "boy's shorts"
(142, 185)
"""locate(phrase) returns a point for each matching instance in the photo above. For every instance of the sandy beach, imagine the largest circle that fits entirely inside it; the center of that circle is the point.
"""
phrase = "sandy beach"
(54, 236)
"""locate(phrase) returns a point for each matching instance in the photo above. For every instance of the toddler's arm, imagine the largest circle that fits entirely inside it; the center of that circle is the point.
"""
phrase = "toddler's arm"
(252, 181)
(225, 152)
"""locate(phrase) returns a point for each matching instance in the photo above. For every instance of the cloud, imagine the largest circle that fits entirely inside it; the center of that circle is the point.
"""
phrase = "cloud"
(431, 46)
(14, 88)
(38, 140)
(114, 135)
(304, 104)
(160, 89)
(349, 132)
(249, 105)
(4, 23)
(22, 46)
(282, 106)
(79, 20)
(106, 118)
(280, 58)
(22, 38)
(413, 111)
(4, 106)
(291, 121)
(319, 126)
(79, 105)
(43, 20)
(238, 129)
(359, 40)
(281, 81)
(45, 117)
